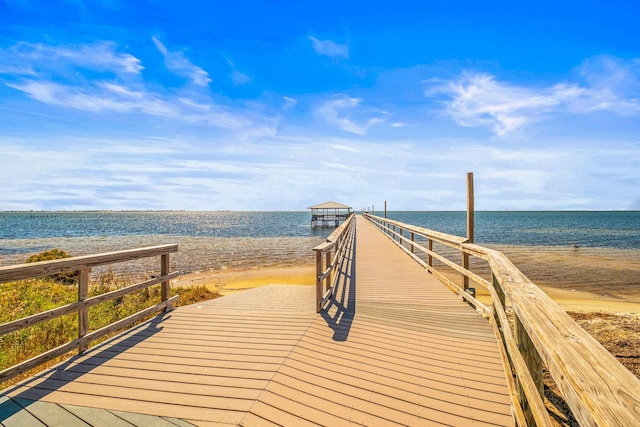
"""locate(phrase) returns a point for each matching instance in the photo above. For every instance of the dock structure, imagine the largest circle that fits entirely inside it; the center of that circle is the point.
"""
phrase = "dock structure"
(393, 347)
(387, 344)
(329, 214)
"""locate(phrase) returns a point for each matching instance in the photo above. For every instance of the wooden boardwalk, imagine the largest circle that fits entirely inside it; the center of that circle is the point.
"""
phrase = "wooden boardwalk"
(394, 347)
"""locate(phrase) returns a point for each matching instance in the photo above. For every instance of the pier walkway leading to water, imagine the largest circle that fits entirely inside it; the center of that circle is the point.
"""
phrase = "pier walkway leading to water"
(393, 347)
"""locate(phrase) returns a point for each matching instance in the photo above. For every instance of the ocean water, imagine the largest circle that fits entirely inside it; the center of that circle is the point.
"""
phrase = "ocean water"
(595, 229)
(207, 240)
(230, 240)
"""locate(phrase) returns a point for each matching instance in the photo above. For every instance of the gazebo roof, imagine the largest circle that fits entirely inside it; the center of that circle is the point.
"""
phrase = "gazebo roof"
(329, 205)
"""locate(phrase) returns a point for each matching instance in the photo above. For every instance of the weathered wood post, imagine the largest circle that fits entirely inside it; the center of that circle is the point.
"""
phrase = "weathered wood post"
(501, 297)
(470, 227)
(83, 313)
(534, 365)
(385, 208)
(165, 288)
(412, 240)
(327, 282)
(319, 271)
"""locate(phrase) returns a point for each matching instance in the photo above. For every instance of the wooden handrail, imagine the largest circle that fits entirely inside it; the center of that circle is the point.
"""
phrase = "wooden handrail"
(32, 270)
(83, 264)
(329, 256)
(599, 390)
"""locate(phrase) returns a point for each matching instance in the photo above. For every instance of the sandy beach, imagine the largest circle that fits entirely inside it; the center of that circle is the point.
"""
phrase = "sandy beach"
(226, 282)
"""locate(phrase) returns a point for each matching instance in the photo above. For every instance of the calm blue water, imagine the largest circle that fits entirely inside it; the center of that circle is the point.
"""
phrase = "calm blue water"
(618, 229)
(207, 240)
(609, 229)
(31, 225)
(239, 240)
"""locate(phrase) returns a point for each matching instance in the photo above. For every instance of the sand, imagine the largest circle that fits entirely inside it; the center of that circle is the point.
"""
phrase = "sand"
(226, 282)
(585, 302)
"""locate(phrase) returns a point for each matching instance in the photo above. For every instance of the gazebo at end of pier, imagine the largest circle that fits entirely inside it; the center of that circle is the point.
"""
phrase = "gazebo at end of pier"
(329, 214)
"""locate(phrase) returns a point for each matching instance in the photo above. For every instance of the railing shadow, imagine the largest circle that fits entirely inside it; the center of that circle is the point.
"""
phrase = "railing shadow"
(62, 375)
(341, 308)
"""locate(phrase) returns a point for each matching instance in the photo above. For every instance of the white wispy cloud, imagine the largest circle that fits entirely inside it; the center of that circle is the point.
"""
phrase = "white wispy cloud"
(65, 76)
(342, 147)
(178, 63)
(289, 103)
(107, 97)
(480, 100)
(329, 48)
(339, 110)
(17, 70)
(35, 58)
(237, 77)
(477, 99)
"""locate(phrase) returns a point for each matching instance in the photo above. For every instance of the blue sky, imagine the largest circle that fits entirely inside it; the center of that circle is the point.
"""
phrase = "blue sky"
(266, 105)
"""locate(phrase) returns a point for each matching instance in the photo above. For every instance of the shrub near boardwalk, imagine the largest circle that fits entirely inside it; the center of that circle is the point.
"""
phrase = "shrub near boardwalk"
(27, 297)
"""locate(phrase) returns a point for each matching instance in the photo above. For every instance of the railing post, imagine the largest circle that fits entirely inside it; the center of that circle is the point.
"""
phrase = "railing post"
(470, 227)
(465, 265)
(165, 289)
(430, 257)
(501, 297)
(83, 313)
(412, 240)
(319, 271)
(534, 365)
(327, 281)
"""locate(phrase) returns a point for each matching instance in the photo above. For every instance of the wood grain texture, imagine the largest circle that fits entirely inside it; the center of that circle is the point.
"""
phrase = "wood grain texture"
(46, 268)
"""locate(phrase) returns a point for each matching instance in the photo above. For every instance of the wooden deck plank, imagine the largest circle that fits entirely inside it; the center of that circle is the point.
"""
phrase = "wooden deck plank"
(265, 414)
(398, 381)
(179, 422)
(159, 375)
(121, 385)
(14, 415)
(97, 417)
(409, 393)
(127, 404)
(144, 420)
(51, 413)
(223, 369)
(390, 408)
(184, 398)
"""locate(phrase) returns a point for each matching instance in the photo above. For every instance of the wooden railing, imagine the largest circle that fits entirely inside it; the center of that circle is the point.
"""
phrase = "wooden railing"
(599, 390)
(329, 256)
(83, 265)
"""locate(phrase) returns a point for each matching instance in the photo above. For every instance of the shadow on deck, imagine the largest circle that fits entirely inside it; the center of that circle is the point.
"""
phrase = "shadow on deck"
(341, 308)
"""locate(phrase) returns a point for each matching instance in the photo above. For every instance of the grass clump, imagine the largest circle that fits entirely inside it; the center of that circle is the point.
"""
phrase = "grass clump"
(67, 277)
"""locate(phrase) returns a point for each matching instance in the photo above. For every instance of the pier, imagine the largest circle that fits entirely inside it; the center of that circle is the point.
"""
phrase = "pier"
(386, 337)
